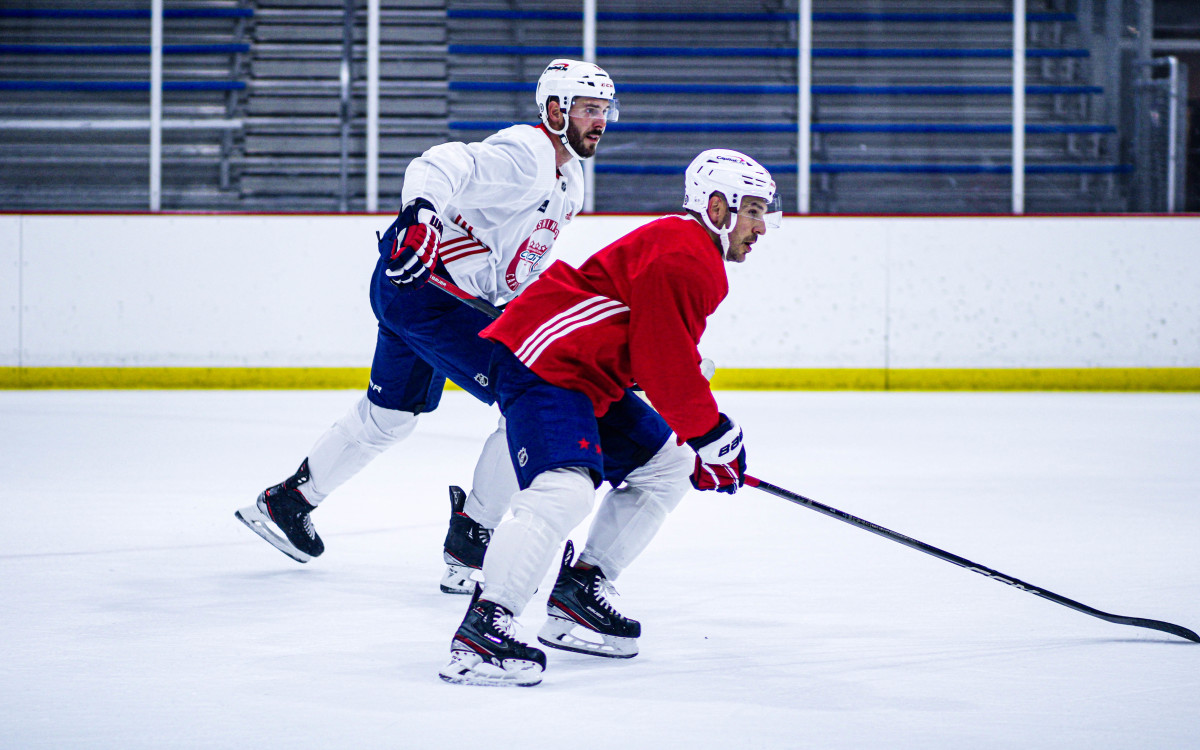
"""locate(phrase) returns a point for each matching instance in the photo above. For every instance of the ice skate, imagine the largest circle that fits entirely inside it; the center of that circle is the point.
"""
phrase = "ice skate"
(466, 541)
(281, 516)
(581, 619)
(485, 650)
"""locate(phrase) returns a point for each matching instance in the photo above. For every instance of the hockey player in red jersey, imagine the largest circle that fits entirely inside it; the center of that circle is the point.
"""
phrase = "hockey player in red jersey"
(571, 348)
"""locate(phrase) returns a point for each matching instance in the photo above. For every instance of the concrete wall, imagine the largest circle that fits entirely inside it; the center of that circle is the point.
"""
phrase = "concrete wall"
(896, 292)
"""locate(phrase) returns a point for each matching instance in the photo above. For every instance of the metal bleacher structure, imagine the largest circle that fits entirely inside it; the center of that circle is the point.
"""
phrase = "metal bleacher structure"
(74, 105)
(258, 113)
(912, 99)
(264, 100)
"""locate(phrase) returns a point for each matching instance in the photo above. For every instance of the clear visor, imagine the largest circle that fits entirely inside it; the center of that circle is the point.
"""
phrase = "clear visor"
(758, 209)
(595, 109)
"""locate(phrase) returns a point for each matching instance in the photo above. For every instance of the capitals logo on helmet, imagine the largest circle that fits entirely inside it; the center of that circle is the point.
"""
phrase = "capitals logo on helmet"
(730, 173)
(735, 176)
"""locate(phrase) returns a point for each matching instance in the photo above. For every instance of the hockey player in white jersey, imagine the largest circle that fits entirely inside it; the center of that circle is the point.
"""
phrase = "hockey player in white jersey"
(486, 216)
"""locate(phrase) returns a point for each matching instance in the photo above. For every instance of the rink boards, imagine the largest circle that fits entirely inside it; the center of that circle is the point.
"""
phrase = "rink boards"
(939, 303)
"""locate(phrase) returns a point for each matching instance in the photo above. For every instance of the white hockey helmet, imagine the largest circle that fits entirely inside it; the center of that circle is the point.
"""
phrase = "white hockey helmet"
(733, 175)
(567, 79)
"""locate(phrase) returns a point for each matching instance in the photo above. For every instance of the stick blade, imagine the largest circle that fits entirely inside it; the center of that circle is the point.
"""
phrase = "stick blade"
(1165, 627)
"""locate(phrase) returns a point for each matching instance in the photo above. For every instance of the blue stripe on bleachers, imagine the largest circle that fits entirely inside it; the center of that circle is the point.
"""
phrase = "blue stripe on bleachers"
(649, 127)
(820, 52)
(568, 51)
(950, 90)
(968, 168)
(643, 88)
(940, 17)
(752, 89)
(120, 49)
(536, 15)
(120, 85)
(963, 128)
(703, 127)
(642, 169)
(125, 13)
(790, 127)
(774, 169)
(551, 15)
(778, 169)
(817, 127)
(944, 53)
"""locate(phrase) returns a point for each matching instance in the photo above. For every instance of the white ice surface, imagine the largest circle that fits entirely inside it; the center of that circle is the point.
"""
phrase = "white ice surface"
(136, 612)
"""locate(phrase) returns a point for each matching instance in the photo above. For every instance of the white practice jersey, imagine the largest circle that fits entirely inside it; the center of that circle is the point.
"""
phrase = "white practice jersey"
(502, 202)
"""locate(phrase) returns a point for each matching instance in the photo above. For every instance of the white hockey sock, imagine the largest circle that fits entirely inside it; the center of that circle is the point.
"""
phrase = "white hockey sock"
(494, 482)
(524, 546)
(351, 443)
(630, 516)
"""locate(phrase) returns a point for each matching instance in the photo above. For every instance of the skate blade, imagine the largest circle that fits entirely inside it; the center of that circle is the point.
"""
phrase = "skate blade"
(561, 634)
(258, 522)
(469, 668)
(460, 579)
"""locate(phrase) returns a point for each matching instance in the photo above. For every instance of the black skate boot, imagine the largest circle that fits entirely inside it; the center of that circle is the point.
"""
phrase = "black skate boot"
(283, 507)
(485, 651)
(581, 618)
(466, 541)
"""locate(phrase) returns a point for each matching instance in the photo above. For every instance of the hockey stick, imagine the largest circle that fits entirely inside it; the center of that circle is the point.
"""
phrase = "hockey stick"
(962, 562)
(449, 287)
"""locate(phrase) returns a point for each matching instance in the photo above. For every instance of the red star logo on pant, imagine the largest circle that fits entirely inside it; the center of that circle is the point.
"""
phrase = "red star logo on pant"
(583, 443)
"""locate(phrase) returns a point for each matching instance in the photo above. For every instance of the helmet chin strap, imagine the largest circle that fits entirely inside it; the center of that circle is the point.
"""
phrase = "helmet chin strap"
(562, 136)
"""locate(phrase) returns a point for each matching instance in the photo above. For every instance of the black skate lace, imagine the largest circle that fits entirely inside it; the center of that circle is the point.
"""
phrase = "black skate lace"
(484, 535)
(308, 527)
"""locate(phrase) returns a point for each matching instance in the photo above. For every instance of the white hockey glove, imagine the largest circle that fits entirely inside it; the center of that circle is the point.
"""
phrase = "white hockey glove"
(410, 244)
(720, 458)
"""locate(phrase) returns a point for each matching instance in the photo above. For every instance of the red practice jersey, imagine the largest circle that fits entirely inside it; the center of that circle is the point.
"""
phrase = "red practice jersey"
(632, 313)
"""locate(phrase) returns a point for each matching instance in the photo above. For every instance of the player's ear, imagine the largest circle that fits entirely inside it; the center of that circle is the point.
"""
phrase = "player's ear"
(718, 209)
(554, 113)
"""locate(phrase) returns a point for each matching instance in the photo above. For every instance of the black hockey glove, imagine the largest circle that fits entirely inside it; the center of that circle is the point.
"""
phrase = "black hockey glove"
(720, 458)
(410, 244)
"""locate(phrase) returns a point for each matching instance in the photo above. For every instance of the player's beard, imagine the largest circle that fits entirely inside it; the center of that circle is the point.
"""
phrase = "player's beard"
(576, 139)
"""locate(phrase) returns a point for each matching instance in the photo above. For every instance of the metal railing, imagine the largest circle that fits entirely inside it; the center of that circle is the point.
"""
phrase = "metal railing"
(1129, 98)
(155, 86)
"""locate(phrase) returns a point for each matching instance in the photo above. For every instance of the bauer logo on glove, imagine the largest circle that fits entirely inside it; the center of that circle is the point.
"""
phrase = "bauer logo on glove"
(720, 458)
(727, 449)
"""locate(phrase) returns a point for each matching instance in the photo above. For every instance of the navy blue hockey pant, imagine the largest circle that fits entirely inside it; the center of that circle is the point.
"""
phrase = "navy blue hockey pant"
(425, 336)
(552, 428)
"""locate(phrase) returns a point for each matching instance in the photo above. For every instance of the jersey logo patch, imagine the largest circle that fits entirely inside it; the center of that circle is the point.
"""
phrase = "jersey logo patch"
(545, 205)
(536, 246)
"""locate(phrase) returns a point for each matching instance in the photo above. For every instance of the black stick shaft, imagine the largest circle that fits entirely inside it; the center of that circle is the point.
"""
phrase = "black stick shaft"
(463, 296)
(962, 562)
